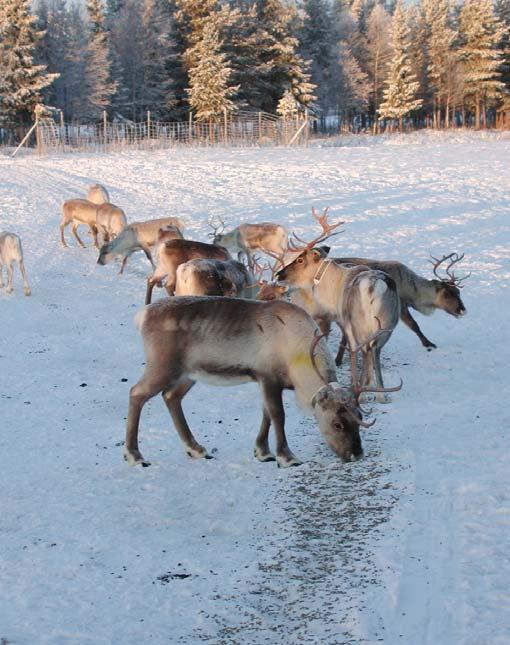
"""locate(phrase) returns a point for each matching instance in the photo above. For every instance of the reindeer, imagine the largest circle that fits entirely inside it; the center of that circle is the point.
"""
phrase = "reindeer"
(110, 221)
(251, 237)
(361, 300)
(228, 341)
(273, 290)
(98, 194)
(10, 252)
(78, 211)
(137, 236)
(419, 293)
(203, 277)
(173, 253)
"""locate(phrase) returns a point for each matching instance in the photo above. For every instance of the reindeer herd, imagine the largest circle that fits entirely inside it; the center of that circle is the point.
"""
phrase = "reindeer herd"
(225, 324)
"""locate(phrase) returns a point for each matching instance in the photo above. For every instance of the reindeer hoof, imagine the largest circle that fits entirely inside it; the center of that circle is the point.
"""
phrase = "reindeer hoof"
(263, 456)
(134, 458)
(288, 461)
(198, 453)
(27, 292)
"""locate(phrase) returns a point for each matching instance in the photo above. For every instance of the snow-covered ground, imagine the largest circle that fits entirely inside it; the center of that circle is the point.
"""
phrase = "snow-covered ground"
(409, 545)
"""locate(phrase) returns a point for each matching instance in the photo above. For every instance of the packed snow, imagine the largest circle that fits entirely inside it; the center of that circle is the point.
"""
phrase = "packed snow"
(408, 545)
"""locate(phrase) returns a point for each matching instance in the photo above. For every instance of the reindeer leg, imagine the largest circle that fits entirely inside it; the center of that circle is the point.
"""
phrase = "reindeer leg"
(408, 320)
(341, 350)
(10, 272)
(262, 451)
(75, 233)
(1, 276)
(62, 238)
(93, 230)
(273, 403)
(123, 263)
(148, 291)
(26, 286)
(380, 397)
(147, 252)
(139, 394)
(173, 397)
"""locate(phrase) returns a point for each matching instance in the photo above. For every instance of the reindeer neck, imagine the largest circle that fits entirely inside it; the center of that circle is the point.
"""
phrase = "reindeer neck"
(329, 285)
(305, 380)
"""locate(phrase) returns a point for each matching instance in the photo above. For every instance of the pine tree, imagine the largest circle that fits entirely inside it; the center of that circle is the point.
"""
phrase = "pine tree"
(481, 33)
(401, 85)
(210, 94)
(98, 73)
(21, 81)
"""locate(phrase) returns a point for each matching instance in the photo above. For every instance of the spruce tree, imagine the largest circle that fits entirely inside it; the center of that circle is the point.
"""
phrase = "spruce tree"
(378, 53)
(401, 85)
(481, 33)
(502, 9)
(279, 66)
(98, 63)
(354, 84)
(440, 38)
(317, 46)
(21, 80)
(210, 93)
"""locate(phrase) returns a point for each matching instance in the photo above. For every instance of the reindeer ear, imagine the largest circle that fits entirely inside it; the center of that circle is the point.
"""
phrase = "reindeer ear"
(325, 250)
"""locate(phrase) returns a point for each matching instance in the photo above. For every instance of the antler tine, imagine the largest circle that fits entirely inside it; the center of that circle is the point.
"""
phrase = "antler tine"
(358, 389)
(452, 278)
(317, 338)
(326, 232)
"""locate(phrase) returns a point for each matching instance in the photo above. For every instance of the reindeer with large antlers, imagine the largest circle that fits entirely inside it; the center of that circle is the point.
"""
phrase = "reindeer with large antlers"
(416, 292)
(246, 238)
(229, 341)
(363, 301)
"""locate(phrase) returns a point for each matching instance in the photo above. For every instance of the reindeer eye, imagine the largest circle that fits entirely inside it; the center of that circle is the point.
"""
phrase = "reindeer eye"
(339, 426)
(300, 260)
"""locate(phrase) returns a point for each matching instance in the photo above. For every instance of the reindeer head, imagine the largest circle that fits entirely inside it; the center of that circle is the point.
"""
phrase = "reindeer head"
(106, 253)
(339, 420)
(304, 258)
(338, 411)
(448, 287)
(217, 233)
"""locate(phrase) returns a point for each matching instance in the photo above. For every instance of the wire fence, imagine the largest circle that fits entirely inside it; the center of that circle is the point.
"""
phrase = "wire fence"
(239, 130)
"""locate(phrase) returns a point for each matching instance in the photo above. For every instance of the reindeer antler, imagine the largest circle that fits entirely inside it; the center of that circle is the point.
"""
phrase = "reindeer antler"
(215, 227)
(357, 388)
(351, 406)
(451, 277)
(326, 233)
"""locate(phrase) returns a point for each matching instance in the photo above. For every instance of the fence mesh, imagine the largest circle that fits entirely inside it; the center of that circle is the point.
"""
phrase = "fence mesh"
(248, 129)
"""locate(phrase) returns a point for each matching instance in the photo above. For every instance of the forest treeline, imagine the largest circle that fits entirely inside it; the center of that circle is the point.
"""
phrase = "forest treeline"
(347, 61)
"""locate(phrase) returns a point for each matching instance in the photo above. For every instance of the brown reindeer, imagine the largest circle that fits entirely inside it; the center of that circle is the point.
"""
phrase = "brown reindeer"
(246, 238)
(203, 277)
(137, 236)
(172, 253)
(229, 341)
(416, 292)
(363, 301)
